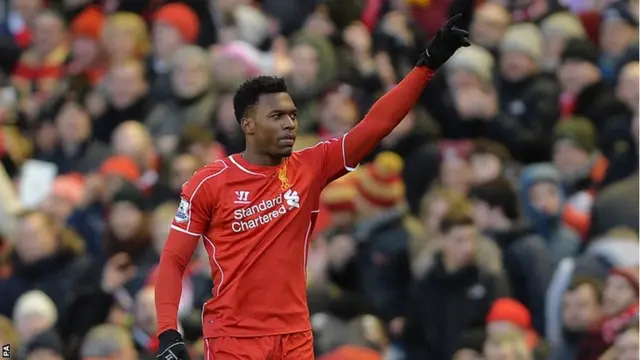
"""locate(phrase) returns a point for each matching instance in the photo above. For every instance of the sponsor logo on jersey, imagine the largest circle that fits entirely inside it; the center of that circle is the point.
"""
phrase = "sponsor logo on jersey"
(182, 215)
(264, 211)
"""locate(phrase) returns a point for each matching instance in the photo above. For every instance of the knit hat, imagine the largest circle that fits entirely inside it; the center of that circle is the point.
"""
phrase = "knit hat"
(131, 194)
(88, 24)
(105, 341)
(69, 187)
(509, 310)
(580, 49)
(252, 24)
(381, 181)
(339, 195)
(35, 302)
(579, 130)
(182, 17)
(563, 24)
(620, 10)
(474, 59)
(48, 340)
(523, 38)
(123, 166)
(629, 274)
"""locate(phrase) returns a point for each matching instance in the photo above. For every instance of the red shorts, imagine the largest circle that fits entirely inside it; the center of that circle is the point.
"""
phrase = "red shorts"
(296, 346)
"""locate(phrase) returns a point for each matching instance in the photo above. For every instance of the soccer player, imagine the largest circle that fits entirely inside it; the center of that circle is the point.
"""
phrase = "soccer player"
(254, 212)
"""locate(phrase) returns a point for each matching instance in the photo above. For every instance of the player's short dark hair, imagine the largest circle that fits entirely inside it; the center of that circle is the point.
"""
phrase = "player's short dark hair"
(498, 193)
(248, 94)
(594, 283)
(454, 218)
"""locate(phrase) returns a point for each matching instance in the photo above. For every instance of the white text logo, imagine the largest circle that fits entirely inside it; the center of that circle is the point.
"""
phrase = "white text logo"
(264, 211)
(242, 197)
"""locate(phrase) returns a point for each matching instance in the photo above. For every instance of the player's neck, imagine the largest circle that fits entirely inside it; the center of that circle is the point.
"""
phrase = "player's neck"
(260, 159)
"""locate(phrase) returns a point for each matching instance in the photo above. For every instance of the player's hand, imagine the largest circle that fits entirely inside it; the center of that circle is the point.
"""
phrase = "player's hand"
(444, 44)
(172, 347)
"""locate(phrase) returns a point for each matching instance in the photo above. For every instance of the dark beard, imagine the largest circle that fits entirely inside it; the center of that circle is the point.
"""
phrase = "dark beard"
(573, 336)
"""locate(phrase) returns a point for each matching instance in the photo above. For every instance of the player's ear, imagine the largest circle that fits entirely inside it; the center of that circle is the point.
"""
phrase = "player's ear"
(248, 125)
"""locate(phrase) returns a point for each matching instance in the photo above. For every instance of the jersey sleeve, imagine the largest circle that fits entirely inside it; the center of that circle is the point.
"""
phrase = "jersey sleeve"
(341, 155)
(192, 219)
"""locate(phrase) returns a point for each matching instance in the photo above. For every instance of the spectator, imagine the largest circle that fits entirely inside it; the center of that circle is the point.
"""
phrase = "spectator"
(507, 315)
(619, 307)
(132, 139)
(468, 76)
(556, 29)
(585, 93)
(64, 198)
(436, 204)
(174, 26)
(543, 199)
(624, 162)
(17, 31)
(581, 167)
(527, 106)
(581, 311)
(40, 67)
(106, 342)
(457, 291)
(489, 161)
(490, 22)
(33, 314)
(618, 32)
(75, 150)
(87, 54)
(129, 233)
(314, 67)
(506, 346)
(192, 102)
(338, 198)
(373, 258)
(126, 95)
(125, 37)
(525, 254)
(45, 259)
(144, 326)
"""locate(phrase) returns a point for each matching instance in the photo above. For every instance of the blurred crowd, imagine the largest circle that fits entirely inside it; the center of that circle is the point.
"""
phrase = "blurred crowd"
(498, 221)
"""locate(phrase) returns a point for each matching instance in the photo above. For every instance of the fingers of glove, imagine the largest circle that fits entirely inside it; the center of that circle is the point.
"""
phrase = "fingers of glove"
(452, 21)
(176, 351)
(457, 32)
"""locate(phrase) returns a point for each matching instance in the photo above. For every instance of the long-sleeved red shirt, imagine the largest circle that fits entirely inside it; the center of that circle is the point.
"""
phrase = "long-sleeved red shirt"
(255, 223)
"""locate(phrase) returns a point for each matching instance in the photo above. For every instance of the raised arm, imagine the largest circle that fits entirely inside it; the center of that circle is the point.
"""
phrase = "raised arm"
(345, 153)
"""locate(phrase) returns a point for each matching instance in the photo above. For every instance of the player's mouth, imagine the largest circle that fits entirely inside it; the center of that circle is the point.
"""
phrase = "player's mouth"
(287, 140)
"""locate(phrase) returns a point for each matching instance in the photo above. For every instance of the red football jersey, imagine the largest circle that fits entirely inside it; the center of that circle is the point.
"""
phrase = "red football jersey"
(255, 222)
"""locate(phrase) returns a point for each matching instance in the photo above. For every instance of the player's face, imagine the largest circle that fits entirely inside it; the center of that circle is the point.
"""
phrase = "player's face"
(274, 124)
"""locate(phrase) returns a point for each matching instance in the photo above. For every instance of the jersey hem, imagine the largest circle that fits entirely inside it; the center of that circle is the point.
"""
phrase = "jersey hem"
(217, 334)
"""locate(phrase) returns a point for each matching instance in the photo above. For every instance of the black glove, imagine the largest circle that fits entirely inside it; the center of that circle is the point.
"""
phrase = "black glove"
(172, 346)
(448, 39)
